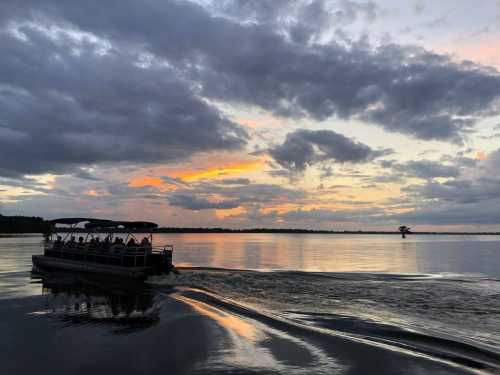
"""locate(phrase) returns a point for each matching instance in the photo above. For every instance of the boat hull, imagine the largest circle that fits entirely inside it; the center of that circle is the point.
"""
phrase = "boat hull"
(42, 261)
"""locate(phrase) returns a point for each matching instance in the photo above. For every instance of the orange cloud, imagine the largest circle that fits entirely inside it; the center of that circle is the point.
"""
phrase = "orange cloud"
(208, 168)
(247, 122)
(222, 214)
(92, 193)
(146, 181)
(217, 172)
(481, 155)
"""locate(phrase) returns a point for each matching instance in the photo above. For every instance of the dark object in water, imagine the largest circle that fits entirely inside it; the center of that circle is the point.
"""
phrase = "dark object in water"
(404, 230)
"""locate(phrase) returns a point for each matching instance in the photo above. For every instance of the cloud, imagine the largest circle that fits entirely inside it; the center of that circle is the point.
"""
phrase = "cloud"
(301, 19)
(427, 169)
(214, 195)
(192, 202)
(174, 181)
(468, 198)
(485, 212)
(65, 104)
(322, 215)
(306, 147)
(403, 89)
(419, 6)
(459, 190)
(234, 181)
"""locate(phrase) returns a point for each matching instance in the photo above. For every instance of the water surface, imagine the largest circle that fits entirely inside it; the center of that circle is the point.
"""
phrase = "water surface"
(324, 304)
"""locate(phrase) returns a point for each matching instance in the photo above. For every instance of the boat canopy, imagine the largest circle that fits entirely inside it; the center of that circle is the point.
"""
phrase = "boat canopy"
(129, 225)
(71, 220)
(138, 225)
(106, 224)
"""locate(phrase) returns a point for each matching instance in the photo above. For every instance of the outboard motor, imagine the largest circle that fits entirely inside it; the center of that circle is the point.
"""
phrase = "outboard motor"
(167, 259)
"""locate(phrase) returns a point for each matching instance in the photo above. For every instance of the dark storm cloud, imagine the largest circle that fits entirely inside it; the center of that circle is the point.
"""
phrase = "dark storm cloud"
(306, 147)
(402, 89)
(63, 104)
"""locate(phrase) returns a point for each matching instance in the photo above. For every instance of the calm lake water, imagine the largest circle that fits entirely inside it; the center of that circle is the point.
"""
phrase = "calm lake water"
(442, 255)
(427, 304)
(340, 253)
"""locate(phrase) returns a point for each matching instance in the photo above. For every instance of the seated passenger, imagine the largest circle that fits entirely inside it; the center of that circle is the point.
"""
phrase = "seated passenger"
(101, 246)
(117, 247)
(58, 243)
(145, 242)
(107, 243)
(81, 244)
(131, 242)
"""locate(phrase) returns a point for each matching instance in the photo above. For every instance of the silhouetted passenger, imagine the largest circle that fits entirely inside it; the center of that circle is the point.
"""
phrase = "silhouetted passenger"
(131, 242)
(145, 242)
(58, 243)
(80, 245)
(118, 247)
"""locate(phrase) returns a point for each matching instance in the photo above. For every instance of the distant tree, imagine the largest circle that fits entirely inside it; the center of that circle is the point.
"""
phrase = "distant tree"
(23, 224)
(404, 230)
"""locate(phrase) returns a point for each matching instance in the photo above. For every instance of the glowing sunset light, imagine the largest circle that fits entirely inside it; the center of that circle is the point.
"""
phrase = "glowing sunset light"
(481, 155)
(217, 172)
(92, 193)
(222, 214)
(146, 181)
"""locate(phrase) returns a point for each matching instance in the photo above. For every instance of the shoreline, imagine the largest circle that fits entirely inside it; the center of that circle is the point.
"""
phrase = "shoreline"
(174, 230)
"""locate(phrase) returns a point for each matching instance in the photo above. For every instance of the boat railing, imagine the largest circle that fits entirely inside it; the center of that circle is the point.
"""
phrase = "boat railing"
(128, 256)
(162, 249)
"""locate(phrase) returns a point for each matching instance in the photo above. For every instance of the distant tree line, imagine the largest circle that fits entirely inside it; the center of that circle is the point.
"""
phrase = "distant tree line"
(306, 231)
(23, 224)
(27, 224)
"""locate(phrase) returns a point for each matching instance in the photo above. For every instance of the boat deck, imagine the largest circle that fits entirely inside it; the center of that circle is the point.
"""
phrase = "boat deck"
(42, 261)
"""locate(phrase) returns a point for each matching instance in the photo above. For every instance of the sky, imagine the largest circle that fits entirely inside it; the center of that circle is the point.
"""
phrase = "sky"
(319, 114)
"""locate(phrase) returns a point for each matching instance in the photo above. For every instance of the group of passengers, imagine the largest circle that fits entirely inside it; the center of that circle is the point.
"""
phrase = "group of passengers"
(117, 246)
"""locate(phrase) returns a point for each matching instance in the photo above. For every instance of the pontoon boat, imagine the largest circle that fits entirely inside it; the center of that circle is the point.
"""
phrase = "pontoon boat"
(105, 247)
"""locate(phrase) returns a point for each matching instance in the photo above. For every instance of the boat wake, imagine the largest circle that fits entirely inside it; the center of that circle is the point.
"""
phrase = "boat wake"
(448, 319)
